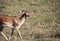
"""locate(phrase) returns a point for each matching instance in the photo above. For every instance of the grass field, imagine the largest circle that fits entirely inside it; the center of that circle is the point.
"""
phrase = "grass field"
(44, 21)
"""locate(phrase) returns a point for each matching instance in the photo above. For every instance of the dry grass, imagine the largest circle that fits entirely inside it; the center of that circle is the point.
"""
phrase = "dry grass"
(44, 23)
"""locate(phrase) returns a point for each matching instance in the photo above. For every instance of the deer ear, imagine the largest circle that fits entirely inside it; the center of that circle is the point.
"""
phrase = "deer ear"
(23, 10)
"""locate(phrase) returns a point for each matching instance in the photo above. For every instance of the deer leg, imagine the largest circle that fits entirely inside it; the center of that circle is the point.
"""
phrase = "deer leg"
(19, 34)
(11, 34)
(1, 29)
(4, 35)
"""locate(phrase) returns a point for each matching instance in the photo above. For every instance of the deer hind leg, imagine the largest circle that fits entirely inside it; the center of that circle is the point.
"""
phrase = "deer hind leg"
(19, 34)
(1, 28)
(4, 36)
(11, 34)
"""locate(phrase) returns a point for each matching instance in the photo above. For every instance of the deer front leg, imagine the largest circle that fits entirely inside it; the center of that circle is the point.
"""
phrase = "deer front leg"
(4, 35)
(19, 34)
(11, 34)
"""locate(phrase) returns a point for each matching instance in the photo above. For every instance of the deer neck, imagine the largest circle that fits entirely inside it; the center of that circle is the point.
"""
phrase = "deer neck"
(23, 16)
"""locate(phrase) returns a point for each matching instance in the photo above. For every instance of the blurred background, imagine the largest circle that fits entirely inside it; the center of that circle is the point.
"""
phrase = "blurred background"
(44, 23)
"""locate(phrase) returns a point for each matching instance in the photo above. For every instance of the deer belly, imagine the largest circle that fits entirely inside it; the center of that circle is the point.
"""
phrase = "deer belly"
(8, 25)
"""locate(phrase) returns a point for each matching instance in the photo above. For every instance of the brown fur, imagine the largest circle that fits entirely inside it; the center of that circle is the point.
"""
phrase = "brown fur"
(13, 21)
